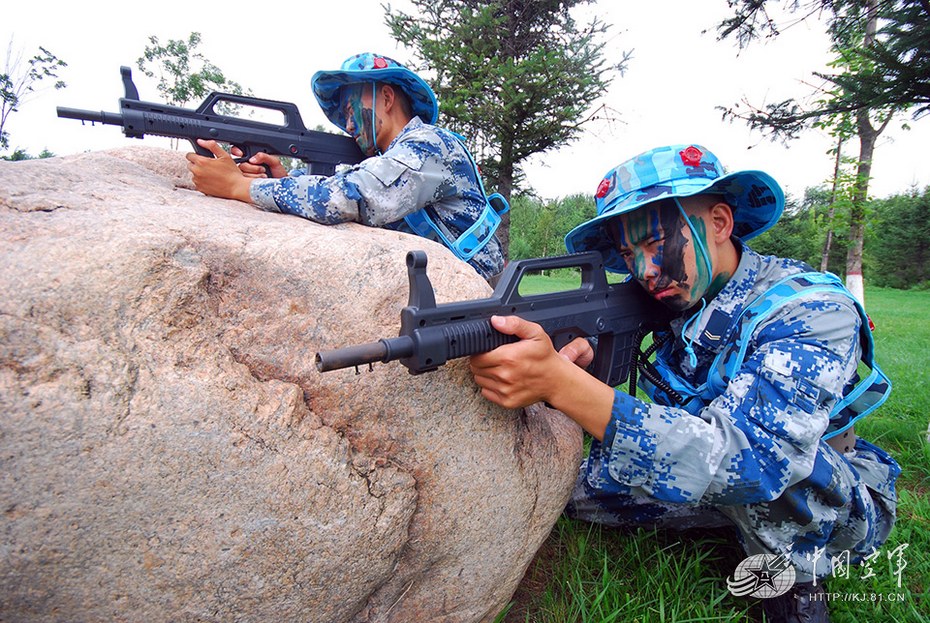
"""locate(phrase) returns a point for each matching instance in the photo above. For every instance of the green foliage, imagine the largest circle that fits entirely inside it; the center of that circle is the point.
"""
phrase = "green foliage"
(862, 34)
(184, 75)
(801, 232)
(538, 229)
(887, 72)
(514, 76)
(18, 82)
(895, 72)
(798, 235)
(900, 235)
(22, 154)
(897, 242)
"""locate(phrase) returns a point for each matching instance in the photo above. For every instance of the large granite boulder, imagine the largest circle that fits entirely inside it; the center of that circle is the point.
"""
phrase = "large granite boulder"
(169, 452)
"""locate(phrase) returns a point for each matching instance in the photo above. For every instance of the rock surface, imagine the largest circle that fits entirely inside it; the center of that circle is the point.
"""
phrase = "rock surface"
(168, 450)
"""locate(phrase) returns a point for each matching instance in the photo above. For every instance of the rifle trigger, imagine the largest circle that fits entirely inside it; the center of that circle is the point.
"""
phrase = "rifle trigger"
(247, 158)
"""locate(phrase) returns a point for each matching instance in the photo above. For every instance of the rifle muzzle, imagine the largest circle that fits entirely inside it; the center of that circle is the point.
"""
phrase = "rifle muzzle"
(384, 350)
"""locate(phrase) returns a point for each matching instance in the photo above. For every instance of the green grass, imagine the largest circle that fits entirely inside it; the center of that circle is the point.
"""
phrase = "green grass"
(902, 336)
(585, 573)
(558, 280)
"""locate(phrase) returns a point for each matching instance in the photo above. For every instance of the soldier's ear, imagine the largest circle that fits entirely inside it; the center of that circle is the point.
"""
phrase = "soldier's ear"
(721, 218)
(390, 96)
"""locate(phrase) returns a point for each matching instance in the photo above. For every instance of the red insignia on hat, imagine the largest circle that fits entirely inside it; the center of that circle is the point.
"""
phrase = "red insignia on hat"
(380, 63)
(603, 188)
(691, 156)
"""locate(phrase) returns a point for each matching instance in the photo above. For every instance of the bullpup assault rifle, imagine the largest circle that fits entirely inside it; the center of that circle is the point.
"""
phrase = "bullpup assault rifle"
(618, 315)
(320, 150)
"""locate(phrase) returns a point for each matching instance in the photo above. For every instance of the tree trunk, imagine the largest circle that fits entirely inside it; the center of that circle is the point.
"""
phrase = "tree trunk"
(505, 188)
(867, 136)
(825, 256)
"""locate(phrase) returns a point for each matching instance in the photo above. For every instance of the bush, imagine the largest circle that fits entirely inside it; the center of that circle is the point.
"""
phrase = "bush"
(900, 241)
(537, 229)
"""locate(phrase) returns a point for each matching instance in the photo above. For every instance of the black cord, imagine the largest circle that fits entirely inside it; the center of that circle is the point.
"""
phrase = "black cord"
(648, 370)
(637, 354)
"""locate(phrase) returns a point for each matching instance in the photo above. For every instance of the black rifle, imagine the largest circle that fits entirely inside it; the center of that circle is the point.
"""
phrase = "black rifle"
(618, 315)
(320, 150)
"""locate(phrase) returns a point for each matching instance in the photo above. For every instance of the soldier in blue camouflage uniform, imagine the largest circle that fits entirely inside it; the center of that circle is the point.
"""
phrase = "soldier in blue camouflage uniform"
(419, 179)
(754, 388)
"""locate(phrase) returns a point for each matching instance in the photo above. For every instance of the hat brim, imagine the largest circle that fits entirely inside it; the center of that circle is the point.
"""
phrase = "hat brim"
(756, 198)
(326, 86)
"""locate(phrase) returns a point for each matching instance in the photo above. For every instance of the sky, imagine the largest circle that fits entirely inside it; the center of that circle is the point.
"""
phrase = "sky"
(675, 81)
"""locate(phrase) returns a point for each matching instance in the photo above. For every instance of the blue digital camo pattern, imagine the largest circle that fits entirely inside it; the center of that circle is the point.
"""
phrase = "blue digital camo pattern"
(676, 171)
(423, 166)
(736, 329)
(370, 68)
(754, 456)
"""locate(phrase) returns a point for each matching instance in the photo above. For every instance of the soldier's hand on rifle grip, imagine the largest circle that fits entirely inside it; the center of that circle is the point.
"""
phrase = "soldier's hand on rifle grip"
(579, 351)
(520, 374)
(218, 176)
(260, 165)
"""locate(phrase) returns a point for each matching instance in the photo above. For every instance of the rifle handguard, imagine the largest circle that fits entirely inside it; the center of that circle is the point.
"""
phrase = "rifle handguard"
(432, 334)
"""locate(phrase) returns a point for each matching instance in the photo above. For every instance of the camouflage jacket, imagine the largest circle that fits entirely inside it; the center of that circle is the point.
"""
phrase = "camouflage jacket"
(423, 166)
(755, 451)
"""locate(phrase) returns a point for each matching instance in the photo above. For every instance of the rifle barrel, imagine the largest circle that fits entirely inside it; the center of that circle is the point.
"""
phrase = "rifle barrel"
(108, 118)
(383, 350)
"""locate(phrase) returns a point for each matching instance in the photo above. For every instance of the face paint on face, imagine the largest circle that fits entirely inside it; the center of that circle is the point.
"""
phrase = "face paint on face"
(657, 245)
(702, 278)
(359, 116)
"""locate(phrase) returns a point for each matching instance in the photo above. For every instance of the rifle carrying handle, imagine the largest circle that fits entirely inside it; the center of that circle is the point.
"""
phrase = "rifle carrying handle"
(292, 118)
(593, 277)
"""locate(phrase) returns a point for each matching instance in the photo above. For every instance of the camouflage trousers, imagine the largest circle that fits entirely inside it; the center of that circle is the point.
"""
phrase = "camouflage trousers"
(812, 523)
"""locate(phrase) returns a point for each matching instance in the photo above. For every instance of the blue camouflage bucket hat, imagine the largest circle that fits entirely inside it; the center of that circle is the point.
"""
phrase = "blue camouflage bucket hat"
(676, 171)
(369, 67)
